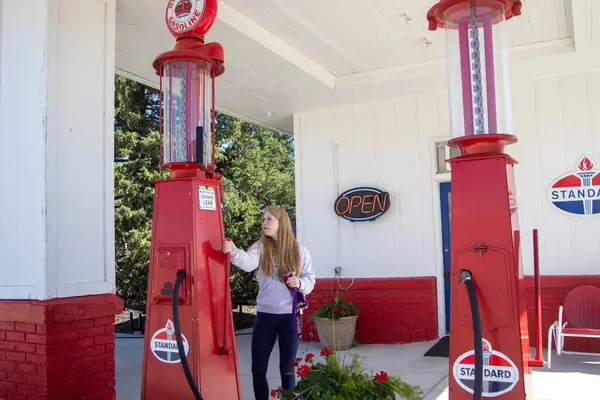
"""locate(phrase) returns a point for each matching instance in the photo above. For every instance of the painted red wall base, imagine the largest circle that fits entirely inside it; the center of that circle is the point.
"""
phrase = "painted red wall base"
(58, 349)
(403, 310)
(393, 310)
(554, 289)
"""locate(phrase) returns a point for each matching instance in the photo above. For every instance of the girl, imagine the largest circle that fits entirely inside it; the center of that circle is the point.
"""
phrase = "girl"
(284, 265)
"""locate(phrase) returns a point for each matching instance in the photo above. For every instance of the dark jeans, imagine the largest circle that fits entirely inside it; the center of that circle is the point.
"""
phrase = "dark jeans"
(267, 328)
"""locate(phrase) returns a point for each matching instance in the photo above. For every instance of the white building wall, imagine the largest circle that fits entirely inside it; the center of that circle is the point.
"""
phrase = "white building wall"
(384, 145)
(390, 145)
(56, 144)
(557, 121)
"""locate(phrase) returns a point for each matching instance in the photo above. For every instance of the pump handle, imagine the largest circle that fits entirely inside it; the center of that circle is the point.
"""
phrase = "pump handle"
(223, 350)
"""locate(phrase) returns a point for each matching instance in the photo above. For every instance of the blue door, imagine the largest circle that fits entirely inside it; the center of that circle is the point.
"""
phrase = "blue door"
(445, 201)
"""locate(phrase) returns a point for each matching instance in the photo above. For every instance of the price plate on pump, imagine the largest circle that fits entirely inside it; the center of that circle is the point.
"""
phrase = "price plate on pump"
(207, 198)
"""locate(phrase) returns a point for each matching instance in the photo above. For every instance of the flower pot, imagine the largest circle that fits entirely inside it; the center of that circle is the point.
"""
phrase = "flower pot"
(344, 329)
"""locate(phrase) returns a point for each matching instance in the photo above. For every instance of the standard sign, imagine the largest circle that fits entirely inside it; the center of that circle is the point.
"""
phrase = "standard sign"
(500, 374)
(164, 345)
(578, 192)
(207, 198)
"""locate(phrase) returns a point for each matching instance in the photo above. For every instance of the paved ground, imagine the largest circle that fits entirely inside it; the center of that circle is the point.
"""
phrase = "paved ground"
(571, 377)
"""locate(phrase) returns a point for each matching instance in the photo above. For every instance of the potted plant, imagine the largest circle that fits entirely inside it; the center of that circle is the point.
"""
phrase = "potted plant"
(336, 323)
(329, 378)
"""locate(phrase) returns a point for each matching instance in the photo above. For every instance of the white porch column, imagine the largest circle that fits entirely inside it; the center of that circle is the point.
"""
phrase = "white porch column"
(56, 196)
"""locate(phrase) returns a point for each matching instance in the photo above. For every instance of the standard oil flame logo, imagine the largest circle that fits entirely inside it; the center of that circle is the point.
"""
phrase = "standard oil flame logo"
(500, 374)
(164, 345)
(578, 192)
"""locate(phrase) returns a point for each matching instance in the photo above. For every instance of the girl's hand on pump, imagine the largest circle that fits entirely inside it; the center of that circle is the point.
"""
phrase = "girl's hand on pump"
(292, 280)
(228, 246)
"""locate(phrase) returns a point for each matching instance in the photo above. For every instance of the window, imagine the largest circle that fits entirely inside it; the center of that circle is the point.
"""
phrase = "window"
(444, 153)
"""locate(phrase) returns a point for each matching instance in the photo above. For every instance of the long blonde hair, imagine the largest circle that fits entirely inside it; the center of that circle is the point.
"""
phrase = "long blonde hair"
(285, 251)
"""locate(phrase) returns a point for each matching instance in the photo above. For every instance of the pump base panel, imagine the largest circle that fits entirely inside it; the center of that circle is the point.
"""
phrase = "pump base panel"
(58, 349)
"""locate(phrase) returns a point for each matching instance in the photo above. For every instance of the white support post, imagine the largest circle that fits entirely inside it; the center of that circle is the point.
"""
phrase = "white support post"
(56, 143)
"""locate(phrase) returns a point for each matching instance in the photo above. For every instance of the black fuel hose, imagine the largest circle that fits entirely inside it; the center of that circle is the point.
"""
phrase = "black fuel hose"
(467, 279)
(184, 363)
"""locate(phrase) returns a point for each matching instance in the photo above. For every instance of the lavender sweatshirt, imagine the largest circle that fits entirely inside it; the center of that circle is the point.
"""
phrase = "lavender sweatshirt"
(273, 295)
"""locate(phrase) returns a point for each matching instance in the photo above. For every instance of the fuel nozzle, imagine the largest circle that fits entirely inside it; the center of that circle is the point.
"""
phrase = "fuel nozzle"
(465, 275)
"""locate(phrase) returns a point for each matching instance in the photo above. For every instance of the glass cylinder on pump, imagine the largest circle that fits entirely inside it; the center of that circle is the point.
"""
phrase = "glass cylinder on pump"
(476, 52)
(187, 88)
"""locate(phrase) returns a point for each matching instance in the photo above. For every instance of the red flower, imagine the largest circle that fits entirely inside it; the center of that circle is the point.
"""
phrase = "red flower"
(382, 377)
(296, 362)
(274, 393)
(309, 357)
(303, 371)
(336, 309)
(326, 352)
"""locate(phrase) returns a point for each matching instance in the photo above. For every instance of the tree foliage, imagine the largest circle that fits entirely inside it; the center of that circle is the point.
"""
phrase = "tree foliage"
(257, 167)
(258, 171)
(136, 167)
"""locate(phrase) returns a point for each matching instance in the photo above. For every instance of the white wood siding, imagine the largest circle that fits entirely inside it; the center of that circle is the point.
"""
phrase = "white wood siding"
(56, 148)
(389, 145)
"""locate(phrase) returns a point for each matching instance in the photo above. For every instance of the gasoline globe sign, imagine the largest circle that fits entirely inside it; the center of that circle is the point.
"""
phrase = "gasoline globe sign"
(187, 83)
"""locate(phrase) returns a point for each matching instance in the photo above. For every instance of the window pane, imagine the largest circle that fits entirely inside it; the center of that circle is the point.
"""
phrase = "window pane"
(444, 153)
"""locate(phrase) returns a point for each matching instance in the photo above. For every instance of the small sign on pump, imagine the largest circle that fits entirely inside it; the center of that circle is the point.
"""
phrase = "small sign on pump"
(207, 198)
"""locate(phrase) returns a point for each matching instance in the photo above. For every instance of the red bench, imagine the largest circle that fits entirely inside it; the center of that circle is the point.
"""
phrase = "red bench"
(579, 317)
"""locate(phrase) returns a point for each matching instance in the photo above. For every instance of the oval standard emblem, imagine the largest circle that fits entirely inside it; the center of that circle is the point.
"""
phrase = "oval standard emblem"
(578, 192)
(362, 204)
(500, 374)
(163, 344)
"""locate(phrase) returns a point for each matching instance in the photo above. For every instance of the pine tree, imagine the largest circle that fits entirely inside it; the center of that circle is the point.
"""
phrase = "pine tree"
(137, 113)
(258, 171)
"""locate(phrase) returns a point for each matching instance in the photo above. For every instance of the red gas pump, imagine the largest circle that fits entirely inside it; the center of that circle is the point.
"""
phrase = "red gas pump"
(189, 348)
(489, 342)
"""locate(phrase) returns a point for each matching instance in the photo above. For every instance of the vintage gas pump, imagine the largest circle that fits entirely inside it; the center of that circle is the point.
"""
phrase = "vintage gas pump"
(189, 348)
(489, 343)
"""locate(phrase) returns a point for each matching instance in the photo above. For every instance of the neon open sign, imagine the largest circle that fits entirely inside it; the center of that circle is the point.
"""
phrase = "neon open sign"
(362, 204)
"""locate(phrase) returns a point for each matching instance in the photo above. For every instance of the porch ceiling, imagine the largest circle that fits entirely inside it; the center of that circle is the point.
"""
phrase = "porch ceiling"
(284, 56)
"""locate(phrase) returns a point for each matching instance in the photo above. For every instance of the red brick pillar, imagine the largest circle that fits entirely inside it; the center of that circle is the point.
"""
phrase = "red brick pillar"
(58, 349)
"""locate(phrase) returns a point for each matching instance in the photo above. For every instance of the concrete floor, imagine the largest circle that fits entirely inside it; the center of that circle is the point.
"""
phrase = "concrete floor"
(571, 377)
